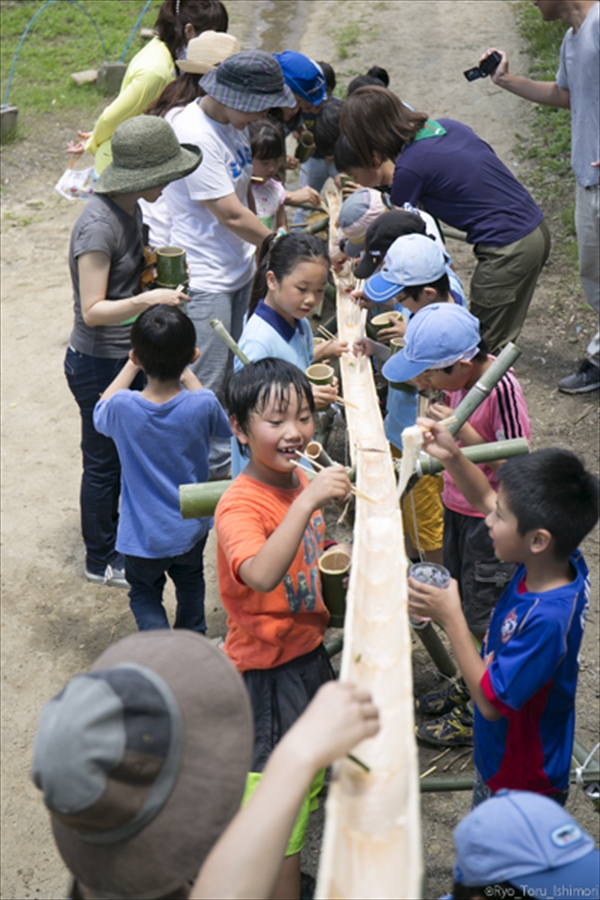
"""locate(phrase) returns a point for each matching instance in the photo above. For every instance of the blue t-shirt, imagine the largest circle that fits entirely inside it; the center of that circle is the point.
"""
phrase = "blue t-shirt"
(266, 333)
(160, 446)
(458, 178)
(531, 651)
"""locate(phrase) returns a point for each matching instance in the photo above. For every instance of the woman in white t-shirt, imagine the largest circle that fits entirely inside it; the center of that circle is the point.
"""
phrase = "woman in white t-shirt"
(203, 54)
(212, 216)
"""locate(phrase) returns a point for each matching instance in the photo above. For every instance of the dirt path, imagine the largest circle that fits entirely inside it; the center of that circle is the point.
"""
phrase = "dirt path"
(54, 623)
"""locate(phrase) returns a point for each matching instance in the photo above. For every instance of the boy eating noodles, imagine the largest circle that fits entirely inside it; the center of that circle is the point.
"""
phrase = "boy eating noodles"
(523, 684)
(270, 534)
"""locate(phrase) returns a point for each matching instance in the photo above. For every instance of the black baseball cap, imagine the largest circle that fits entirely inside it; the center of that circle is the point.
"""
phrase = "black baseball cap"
(382, 233)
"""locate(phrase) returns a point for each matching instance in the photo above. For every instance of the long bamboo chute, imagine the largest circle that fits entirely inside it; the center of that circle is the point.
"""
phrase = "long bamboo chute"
(372, 840)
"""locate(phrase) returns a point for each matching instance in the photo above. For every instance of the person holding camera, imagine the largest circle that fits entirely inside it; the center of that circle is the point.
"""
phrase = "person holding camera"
(576, 88)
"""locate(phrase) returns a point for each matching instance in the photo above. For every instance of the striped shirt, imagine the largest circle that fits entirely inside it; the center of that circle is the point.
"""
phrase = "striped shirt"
(502, 416)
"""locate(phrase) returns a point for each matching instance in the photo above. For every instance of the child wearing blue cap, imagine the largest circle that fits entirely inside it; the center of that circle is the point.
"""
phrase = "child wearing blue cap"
(520, 844)
(444, 350)
(415, 269)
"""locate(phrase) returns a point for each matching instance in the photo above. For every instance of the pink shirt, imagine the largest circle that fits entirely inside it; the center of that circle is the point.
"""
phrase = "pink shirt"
(502, 416)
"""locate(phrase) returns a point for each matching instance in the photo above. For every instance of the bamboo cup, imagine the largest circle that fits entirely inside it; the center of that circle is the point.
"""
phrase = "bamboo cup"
(319, 373)
(171, 266)
(396, 344)
(334, 566)
(385, 320)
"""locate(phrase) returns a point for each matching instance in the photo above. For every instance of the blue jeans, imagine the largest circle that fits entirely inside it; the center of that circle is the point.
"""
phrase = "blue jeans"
(147, 579)
(314, 173)
(88, 377)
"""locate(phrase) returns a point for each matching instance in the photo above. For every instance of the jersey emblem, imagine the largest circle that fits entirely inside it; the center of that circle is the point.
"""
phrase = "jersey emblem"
(509, 626)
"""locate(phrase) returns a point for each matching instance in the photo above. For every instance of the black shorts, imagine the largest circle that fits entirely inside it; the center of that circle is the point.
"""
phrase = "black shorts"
(470, 558)
(280, 695)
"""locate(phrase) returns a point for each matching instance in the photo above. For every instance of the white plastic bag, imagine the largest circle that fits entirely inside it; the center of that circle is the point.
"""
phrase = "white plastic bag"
(76, 184)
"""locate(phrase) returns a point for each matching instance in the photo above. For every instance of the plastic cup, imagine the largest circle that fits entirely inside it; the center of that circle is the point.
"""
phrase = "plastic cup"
(171, 267)
(429, 573)
(334, 566)
(319, 373)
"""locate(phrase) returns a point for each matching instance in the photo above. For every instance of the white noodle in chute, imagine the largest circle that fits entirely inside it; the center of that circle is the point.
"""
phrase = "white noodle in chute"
(412, 441)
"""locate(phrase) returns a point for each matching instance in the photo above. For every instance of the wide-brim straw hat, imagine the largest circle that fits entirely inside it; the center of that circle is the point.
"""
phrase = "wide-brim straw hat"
(208, 50)
(146, 154)
(174, 714)
(250, 81)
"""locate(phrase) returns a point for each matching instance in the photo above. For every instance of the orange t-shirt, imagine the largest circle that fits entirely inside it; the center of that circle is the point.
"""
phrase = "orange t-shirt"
(267, 630)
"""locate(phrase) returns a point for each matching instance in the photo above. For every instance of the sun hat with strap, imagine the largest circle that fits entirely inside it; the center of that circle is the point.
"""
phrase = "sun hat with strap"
(146, 154)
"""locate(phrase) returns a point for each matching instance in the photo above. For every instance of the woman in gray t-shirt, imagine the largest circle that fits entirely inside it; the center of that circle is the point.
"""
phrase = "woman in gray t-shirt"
(105, 259)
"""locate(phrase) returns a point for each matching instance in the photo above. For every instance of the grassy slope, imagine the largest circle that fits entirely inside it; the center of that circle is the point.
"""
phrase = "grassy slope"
(63, 40)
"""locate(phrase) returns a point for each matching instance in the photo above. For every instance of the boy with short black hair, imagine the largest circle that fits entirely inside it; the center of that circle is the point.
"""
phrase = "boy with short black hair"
(523, 684)
(162, 436)
(270, 533)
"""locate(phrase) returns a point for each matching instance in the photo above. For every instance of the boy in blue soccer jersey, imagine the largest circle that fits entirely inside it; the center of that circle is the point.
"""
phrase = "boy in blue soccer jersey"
(270, 534)
(524, 682)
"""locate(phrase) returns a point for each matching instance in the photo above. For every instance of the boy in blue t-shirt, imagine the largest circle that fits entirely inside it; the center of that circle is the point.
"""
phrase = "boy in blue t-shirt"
(523, 684)
(162, 435)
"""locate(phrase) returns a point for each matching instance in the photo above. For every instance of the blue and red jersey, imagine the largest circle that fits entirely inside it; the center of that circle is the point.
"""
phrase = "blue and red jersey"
(531, 654)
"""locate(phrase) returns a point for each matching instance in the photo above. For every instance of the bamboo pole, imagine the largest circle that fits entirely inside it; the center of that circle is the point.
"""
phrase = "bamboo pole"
(226, 337)
(432, 643)
(197, 501)
(484, 386)
(477, 453)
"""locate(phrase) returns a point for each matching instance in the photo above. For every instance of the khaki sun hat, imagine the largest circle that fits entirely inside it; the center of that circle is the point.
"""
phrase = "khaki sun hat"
(142, 762)
(208, 50)
(146, 154)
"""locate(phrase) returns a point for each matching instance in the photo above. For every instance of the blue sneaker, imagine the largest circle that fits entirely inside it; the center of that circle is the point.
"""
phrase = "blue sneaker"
(586, 379)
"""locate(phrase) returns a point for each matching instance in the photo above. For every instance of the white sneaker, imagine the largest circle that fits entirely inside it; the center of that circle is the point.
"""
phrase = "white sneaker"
(111, 578)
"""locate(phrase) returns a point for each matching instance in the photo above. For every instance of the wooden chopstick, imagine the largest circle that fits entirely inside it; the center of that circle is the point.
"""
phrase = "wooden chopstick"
(326, 333)
(347, 403)
(354, 490)
(449, 420)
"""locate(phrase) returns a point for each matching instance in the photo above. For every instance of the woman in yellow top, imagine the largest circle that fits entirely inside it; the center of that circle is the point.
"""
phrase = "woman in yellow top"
(151, 70)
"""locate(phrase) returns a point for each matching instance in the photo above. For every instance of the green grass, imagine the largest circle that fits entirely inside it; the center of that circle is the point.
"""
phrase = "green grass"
(63, 40)
(345, 37)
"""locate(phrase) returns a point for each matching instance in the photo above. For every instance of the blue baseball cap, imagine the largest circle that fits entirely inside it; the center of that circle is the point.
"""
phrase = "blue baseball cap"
(412, 259)
(531, 842)
(303, 76)
(437, 336)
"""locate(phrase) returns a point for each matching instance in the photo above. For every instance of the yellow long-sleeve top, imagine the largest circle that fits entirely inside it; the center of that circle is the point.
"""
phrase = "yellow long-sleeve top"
(147, 75)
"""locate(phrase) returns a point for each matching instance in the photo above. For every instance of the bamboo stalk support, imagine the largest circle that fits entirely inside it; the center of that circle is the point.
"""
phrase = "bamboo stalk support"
(484, 386)
(226, 337)
(372, 840)
(477, 453)
(433, 644)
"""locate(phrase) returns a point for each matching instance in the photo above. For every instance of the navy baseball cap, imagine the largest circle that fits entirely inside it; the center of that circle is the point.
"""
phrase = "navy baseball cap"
(437, 336)
(411, 259)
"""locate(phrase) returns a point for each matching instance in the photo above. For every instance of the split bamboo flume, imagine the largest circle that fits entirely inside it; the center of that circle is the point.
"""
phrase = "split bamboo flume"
(372, 840)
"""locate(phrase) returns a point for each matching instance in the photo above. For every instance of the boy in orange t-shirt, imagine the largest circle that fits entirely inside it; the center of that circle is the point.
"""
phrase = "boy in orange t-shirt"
(270, 534)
